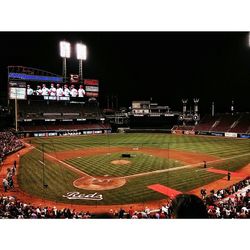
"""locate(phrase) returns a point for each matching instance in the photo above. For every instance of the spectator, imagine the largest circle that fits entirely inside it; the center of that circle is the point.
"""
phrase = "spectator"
(121, 213)
(5, 185)
(205, 164)
(188, 206)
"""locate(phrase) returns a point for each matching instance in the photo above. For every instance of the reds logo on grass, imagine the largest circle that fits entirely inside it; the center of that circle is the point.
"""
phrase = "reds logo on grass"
(78, 196)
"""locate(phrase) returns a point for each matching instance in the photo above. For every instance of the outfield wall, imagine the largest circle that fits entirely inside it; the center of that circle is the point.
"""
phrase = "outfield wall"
(189, 132)
(64, 133)
(223, 134)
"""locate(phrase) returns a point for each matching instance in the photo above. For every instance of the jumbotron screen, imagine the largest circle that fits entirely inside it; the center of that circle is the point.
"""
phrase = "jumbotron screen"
(58, 91)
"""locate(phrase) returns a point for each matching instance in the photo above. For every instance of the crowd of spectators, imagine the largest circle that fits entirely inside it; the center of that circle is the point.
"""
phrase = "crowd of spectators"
(232, 202)
(12, 208)
(8, 143)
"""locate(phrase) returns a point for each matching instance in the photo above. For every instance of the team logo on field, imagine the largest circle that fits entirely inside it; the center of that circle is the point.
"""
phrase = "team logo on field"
(78, 196)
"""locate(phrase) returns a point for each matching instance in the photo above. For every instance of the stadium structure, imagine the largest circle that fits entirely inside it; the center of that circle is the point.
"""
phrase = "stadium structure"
(75, 153)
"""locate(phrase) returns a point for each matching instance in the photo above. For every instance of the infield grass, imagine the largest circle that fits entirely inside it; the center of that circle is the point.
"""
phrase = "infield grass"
(100, 165)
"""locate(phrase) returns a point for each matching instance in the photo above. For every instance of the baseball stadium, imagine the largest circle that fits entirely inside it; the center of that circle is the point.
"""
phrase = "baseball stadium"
(63, 155)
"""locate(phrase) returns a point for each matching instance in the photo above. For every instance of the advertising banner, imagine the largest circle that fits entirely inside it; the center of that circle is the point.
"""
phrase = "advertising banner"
(203, 133)
(247, 136)
(91, 94)
(138, 111)
(229, 134)
(17, 93)
(17, 90)
(136, 105)
(189, 132)
(92, 89)
(91, 82)
(217, 134)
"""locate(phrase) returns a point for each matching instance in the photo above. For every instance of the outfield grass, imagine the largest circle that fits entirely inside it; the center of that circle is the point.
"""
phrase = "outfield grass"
(218, 146)
(33, 174)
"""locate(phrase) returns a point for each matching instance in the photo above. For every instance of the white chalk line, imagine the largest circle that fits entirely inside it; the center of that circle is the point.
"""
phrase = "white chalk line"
(66, 164)
(146, 173)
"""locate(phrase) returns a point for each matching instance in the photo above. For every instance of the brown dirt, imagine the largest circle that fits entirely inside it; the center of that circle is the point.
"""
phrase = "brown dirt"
(120, 162)
(187, 157)
(99, 183)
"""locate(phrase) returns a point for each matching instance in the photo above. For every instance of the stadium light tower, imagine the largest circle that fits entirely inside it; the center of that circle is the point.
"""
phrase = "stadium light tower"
(81, 54)
(64, 53)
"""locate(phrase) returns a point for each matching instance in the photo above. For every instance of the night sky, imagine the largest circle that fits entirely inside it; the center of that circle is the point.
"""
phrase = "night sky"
(166, 66)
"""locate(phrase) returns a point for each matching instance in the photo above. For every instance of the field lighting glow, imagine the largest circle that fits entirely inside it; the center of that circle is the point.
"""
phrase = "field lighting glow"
(81, 51)
(65, 49)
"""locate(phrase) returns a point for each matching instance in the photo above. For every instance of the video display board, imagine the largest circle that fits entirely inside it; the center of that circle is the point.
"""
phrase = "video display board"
(17, 90)
(91, 87)
(51, 88)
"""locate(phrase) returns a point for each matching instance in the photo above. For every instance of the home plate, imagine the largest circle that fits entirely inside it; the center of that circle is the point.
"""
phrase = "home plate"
(79, 157)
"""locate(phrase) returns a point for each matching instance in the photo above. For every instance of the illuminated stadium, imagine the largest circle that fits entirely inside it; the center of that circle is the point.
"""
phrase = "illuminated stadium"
(67, 148)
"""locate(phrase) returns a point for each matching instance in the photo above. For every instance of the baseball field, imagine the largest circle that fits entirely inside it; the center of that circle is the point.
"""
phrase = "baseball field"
(92, 170)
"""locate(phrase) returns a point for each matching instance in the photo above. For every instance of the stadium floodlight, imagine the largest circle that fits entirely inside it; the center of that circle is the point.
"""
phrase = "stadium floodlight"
(81, 51)
(64, 53)
(81, 54)
(64, 49)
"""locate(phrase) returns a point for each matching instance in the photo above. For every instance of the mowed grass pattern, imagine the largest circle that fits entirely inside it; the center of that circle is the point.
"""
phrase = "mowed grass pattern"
(60, 180)
(218, 146)
(100, 165)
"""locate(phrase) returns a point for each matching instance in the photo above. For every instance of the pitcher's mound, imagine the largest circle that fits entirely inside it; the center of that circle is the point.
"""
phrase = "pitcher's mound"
(120, 162)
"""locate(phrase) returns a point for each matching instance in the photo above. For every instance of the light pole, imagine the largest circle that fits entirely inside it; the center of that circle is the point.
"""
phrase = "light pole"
(64, 53)
(81, 54)
(16, 110)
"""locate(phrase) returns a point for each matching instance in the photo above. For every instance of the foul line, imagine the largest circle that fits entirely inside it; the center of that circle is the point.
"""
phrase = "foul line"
(147, 173)
(66, 164)
(42, 162)
(182, 167)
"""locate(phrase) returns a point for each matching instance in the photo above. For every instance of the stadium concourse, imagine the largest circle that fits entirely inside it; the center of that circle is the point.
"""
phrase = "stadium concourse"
(223, 199)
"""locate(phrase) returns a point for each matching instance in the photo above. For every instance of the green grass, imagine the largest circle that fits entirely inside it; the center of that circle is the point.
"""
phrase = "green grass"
(219, 146)
(32, 174)
(100, 165)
